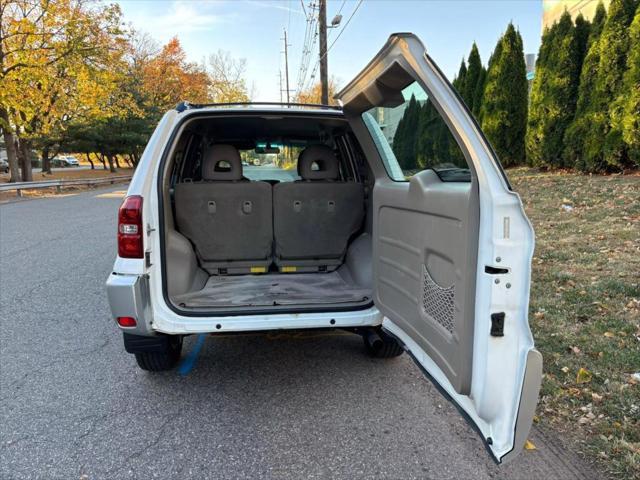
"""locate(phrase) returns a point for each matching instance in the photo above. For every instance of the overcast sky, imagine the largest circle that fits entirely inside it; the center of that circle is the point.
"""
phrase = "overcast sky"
(253, 30)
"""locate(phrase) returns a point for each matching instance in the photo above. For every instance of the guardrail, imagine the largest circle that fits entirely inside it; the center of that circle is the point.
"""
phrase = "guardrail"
(58, 184)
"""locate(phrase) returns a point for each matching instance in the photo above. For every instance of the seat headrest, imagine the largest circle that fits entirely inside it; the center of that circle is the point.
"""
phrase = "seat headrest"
(317, 162)
(221, 162)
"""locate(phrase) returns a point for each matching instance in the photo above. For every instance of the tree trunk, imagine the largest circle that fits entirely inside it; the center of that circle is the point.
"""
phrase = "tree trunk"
(88, 155)
(27, 171)
(117, 161)
(46, 161)
(112, 167)
(102, 160)
(9, 141)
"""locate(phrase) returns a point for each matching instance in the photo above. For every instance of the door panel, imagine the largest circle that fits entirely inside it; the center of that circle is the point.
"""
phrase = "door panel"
(425, 233)
(452, 261)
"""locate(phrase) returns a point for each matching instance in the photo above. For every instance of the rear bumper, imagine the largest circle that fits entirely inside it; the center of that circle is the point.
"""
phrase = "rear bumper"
(129, 297)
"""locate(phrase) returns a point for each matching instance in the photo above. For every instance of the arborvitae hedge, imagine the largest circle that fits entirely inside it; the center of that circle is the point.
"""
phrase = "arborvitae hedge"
(459, 81)
(553, 96)
(574, 136)
(474, 77)
(404, 140)
(613, 46)
(504, 105)
(631, 92)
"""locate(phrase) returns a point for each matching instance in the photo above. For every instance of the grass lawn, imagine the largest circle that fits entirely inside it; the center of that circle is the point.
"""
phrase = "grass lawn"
(585, 311)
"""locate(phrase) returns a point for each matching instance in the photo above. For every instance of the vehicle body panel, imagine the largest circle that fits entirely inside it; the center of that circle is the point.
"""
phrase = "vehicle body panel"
(505, 240)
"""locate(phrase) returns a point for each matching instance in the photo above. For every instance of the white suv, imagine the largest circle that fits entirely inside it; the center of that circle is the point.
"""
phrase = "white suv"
(260, 217)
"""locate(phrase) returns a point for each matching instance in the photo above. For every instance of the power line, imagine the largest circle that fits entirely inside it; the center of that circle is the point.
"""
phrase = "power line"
(308, 44)
(345, 26)
(317, 65)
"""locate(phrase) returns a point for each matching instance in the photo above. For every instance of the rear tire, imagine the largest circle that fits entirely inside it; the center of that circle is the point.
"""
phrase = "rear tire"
(161, 361)
(390, 347)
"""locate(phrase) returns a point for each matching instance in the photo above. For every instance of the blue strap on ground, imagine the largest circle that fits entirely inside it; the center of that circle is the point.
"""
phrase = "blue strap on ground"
(187, 364)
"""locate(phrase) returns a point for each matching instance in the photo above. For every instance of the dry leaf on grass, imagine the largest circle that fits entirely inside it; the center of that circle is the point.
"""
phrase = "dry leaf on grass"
(583, 376)
(529, 445)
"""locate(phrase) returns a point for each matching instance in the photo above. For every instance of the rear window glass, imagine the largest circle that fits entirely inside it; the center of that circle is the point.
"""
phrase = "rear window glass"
(281, 166)
(413, 137)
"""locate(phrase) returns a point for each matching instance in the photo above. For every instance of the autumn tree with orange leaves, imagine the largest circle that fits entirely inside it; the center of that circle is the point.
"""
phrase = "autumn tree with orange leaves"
(75, 78)
(314, 94)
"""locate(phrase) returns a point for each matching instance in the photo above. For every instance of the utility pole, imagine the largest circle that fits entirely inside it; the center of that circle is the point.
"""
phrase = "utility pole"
(280, 76)
(322, 27)
(286, 63)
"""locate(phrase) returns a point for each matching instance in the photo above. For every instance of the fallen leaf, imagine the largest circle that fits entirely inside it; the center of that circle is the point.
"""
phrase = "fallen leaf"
(596, 398)
(583, 376)
(609, 334)
(565, 369)
(528, 445)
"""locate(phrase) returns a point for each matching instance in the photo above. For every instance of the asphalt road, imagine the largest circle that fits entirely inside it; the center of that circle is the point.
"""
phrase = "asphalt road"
(73, 404)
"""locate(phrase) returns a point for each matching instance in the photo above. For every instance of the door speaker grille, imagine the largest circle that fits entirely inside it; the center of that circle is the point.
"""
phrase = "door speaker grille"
(437, 301)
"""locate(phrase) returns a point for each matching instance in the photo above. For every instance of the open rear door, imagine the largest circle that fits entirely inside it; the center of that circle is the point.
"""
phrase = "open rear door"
(452, 259)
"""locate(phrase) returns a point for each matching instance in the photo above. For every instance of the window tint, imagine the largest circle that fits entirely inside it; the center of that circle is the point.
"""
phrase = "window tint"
(413, 137)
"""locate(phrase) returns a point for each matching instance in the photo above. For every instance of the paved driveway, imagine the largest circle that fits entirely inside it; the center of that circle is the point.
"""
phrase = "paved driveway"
(74, 405)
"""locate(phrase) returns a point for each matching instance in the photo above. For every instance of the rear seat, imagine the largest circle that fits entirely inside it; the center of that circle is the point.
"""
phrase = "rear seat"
(313, 219)
(227, 218)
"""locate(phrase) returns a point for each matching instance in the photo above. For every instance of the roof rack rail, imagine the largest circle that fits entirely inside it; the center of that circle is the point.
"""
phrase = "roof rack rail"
(182, 106)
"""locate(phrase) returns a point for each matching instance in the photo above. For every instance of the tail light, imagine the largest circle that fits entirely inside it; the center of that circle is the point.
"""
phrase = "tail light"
(130, 228)
(127, 322)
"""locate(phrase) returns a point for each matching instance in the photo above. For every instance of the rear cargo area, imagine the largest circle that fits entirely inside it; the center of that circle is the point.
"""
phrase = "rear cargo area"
(275, 289)
(267, 212)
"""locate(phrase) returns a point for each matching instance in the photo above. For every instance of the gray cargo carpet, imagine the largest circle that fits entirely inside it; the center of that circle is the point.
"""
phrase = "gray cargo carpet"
(274, 289)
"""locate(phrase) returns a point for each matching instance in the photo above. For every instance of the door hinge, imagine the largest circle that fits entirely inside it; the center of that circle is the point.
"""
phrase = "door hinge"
(497, 324)
(147, 258)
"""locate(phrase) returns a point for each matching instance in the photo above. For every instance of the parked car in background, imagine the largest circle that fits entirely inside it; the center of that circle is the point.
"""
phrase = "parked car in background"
(65, 161)
(4, 165)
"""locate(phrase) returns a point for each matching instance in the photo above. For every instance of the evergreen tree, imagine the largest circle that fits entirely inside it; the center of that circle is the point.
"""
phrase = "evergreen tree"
(613, 47)
(630, 122)
(616, 42)
(505, 99)
(574, 136)
(398, 139)
(479, 92)
(404, 140)
(473, 79)
(553, 96)
(583, 28)
(426, 138)
(459, 81)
